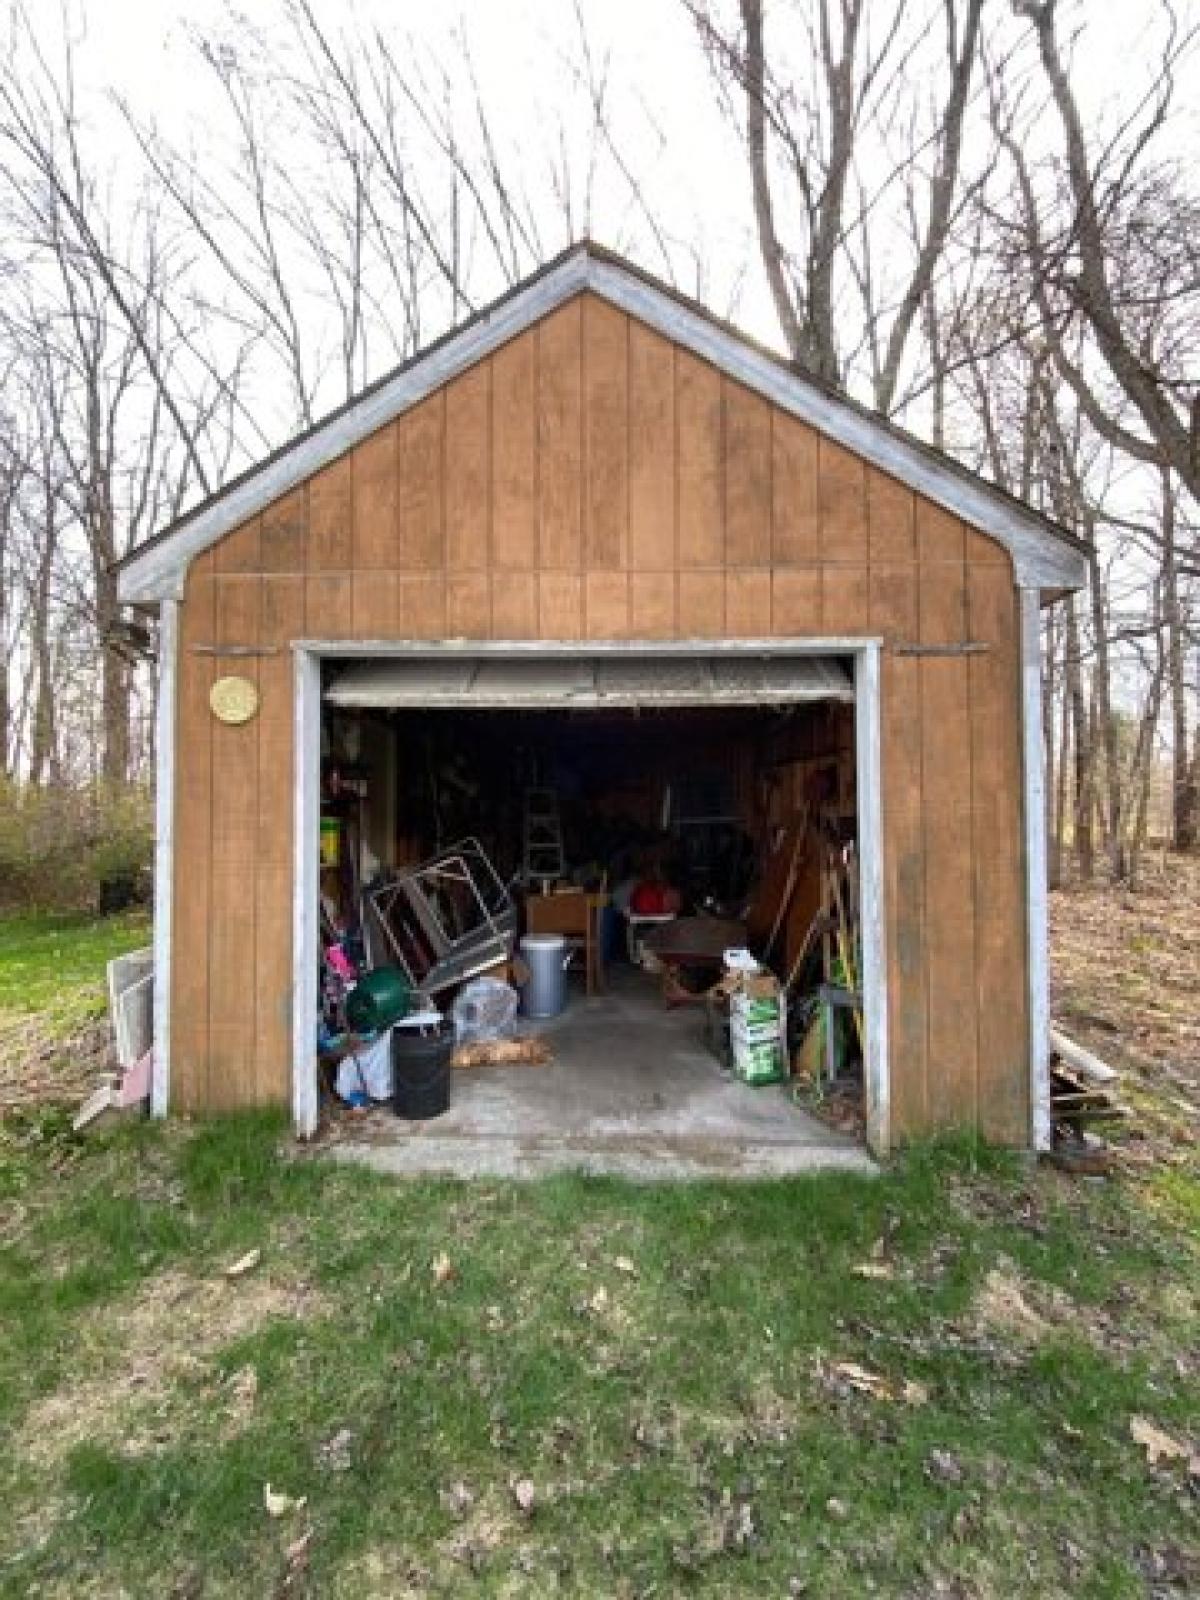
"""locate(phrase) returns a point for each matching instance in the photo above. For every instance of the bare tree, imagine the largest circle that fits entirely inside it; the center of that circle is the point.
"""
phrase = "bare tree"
(819, 150)
(1114, 190)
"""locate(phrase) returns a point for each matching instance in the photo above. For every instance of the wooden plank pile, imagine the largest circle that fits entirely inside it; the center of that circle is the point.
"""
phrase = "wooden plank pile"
(1082, 1093)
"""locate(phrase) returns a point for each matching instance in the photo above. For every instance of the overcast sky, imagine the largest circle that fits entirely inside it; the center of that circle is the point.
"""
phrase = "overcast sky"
(658, 77)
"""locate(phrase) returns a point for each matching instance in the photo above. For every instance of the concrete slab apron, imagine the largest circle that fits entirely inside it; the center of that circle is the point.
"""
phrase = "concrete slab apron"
(632, 1092)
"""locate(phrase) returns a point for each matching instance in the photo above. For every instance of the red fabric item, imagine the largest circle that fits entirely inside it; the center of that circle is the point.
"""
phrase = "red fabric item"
(648, 900)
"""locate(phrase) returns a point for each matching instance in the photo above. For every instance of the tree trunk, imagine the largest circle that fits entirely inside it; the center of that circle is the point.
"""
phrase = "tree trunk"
(1085, 843)
(115, 687)
(43, 733)
(1183, 793)
(1140, 771)
(1058, 837)
(1103, 719)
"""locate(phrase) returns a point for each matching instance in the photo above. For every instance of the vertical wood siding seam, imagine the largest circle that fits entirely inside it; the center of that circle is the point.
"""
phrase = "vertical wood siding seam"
(771, 495)
(397, 510)
(247, 1090)
(585, 468)
(923, 1086)
(536, 490)
(443, 565)
(256, 724)
(208, 865)
(676, 531)
(628, 562)
(723, 488)
(723, 485)
(490, 529)
(980, 1036)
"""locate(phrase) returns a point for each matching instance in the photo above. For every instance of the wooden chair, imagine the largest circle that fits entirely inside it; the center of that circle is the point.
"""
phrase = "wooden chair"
(576, 914)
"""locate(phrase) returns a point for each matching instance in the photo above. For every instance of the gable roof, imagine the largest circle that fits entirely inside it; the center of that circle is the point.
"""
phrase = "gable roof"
(1044, 555)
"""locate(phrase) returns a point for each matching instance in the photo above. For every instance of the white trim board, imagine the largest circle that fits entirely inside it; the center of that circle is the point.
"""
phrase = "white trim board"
(1037, 922)
(164, 850)
(1040, 559)
(305, 891)
(869, 774)
(305, 941)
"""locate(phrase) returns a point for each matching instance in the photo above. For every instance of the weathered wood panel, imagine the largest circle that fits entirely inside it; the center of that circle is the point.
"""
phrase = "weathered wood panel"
(282, 618)
(651, 451)
(560, 605)
(514, 456)
(795, 513)
(842, 504)
(948, 816)
(606, 391)
(701, 538)
(653, 611)
(232, 906)
(330, 505)
(468, 605)
(282, 535)
(420, 475)
(190, 915)
(1001, 1002)
(606, 605)
(468, 468)
(747, 445)
(375, 489)
(560, 440)
(748, 604)
(590, 480)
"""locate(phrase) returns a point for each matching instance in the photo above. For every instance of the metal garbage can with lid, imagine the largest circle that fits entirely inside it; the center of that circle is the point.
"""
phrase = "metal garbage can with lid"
(544, 994)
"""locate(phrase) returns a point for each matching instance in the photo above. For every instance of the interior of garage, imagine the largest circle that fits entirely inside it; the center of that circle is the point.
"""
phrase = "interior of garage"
(644, 822)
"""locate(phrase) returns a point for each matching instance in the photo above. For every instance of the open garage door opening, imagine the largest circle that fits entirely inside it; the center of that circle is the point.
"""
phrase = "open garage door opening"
(630, 886)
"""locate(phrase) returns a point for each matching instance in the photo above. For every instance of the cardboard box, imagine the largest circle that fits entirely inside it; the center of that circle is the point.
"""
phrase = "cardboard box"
(757, 999)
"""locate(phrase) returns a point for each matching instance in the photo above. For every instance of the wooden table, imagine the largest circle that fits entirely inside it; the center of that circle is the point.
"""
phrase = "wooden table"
(575, 913)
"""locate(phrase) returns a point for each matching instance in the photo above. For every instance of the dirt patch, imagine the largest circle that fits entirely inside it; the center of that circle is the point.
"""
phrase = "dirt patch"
(141, 1360)
(386, 1569)
(1009, 1304)
(38, 1069)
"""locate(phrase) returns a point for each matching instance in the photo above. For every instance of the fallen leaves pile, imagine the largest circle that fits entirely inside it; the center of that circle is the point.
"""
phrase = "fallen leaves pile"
(1161, 1446)
(848, 1377)
(1124, 966)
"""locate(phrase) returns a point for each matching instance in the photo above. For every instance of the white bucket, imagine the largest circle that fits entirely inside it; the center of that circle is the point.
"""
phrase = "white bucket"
(545, 994)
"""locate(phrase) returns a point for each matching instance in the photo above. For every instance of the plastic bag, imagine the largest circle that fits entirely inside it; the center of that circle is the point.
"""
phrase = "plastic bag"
(367, 1071)
(485, 1009)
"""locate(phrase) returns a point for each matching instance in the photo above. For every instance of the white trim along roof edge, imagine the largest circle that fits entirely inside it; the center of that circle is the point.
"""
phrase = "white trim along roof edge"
(1042, 559)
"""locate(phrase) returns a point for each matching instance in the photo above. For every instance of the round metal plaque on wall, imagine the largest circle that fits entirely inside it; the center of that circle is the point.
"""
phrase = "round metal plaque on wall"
(233, 699)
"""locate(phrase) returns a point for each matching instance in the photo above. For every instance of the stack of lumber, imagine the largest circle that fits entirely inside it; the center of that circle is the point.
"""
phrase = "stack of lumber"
(1081, 1088)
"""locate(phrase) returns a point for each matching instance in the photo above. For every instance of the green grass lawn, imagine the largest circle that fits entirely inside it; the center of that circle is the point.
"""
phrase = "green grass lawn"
(52, 965)
(918, 1385)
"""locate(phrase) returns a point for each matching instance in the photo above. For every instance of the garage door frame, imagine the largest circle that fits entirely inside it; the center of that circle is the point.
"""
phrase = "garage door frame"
(864, 654)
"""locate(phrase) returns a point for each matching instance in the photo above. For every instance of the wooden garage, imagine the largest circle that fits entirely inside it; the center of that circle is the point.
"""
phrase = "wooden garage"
(595, 469)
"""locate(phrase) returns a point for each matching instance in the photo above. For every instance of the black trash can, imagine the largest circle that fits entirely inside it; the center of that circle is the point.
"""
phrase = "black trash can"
(421, 1071)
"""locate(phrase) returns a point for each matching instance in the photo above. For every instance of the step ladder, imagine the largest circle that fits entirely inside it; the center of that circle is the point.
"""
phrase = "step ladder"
(543, 837)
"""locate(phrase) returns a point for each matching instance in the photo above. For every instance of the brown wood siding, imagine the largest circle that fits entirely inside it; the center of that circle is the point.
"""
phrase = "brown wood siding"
(592, 481)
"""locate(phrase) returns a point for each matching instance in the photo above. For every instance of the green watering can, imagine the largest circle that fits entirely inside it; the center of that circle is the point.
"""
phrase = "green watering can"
(377, 1000)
